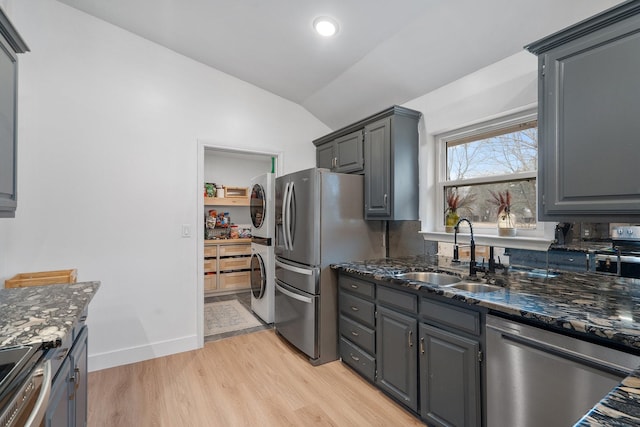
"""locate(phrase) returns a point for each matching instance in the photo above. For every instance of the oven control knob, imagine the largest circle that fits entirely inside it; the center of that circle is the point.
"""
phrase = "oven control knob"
(630, 231)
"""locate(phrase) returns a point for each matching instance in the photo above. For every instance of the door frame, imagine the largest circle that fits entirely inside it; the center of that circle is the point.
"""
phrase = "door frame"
(202, 146)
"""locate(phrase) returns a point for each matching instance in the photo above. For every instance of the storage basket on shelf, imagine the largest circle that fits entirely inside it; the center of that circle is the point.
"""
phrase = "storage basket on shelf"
(42, 278)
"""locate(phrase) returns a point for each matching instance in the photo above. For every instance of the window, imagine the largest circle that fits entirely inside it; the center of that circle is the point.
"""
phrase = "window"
(487, 160)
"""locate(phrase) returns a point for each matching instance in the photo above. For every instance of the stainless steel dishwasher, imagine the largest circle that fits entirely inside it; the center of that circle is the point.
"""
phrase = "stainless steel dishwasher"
(541, 378)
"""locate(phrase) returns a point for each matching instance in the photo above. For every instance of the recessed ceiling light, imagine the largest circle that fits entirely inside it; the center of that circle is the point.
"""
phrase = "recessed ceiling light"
(325, 26)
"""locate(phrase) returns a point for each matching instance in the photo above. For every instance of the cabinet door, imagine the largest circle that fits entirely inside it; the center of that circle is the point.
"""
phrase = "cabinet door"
(324, 156)
(377, 169)
(8, 102)
(348, 151)
(588, 126)
(57, 414)
(396, 356)
(78, 399)
(449, 378)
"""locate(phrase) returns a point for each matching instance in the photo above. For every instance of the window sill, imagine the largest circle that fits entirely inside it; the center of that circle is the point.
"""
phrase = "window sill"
(518, 242)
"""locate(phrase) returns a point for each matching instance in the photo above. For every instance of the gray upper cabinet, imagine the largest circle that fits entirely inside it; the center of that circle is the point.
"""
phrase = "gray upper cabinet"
(344, 154)
(589, 104)
(10, 45)
(385, 147)
(391, 167)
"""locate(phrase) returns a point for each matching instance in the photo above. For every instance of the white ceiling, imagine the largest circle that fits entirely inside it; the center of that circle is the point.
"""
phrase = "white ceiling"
(386, 52)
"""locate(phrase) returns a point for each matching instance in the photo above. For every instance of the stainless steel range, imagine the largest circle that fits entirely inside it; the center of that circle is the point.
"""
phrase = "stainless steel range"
(623, 259)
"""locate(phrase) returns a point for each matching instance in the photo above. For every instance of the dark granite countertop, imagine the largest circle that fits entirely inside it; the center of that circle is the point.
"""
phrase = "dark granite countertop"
(42, 314)
(605, 308)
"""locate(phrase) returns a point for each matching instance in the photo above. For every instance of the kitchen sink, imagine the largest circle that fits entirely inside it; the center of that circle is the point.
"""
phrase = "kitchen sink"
(433, 278)
(475, 287)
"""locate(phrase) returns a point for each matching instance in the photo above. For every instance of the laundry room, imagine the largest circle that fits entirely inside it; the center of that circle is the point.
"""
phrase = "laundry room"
(236, 196)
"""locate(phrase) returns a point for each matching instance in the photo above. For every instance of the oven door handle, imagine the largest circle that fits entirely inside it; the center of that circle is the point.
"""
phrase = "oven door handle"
(40, 407)
(295, 296)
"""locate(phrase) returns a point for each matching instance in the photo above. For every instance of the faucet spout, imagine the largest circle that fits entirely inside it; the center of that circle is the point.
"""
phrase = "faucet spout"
(472, 262)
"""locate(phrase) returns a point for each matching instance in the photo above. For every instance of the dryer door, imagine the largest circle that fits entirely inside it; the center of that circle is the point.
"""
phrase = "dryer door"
(258, 206)
(258, 276)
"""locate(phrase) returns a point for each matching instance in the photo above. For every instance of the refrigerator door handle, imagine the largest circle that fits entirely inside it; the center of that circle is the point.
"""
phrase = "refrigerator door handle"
(290, 216)
(285, 216)
(298, 270)
(295, 296)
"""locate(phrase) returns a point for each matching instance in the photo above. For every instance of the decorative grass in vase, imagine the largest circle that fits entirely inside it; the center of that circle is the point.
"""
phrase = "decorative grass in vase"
(506, 219)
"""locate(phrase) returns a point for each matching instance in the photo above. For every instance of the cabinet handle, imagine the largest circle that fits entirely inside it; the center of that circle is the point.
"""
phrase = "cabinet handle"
(76, 380)
(354, 286)
(385, 199)
(357, 359)
(422, 345)
(355, 334)
(410, 336)
(354, 308)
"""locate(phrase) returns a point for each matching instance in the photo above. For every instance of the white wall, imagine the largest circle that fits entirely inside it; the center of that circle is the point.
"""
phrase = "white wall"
(504, 87)
(107, 170)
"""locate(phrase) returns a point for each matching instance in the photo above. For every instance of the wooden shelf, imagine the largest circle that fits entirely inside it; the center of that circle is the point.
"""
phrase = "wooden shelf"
(226, 201)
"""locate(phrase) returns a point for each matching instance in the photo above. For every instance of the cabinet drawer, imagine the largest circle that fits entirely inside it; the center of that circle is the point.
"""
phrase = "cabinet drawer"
(358, 309)
(232, 250)
(234, 280)
(358, 359)
(210, 282)
(360, 335)
(356, 286)
(402, 300)
(210, 265)
(235, 263)
(210, 251)
(448, 315)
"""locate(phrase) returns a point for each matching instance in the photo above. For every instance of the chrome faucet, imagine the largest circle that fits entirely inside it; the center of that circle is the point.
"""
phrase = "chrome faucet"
(472, 262)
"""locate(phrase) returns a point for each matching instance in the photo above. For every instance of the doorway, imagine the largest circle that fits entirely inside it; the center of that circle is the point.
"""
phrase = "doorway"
(232, 167)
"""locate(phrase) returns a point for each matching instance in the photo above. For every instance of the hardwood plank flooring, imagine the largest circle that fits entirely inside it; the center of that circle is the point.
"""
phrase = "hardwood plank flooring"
(255, 379)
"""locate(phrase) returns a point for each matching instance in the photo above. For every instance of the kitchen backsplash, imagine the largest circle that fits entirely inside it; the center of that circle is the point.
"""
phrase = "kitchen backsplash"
(404, 239)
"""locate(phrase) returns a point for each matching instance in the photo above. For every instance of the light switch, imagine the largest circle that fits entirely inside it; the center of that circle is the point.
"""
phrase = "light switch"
(186, 230)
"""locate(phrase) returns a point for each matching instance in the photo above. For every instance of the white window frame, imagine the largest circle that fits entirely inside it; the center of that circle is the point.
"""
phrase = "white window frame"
(538, 239)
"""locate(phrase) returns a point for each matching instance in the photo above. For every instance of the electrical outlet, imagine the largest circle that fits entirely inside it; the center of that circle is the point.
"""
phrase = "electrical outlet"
(186, 230)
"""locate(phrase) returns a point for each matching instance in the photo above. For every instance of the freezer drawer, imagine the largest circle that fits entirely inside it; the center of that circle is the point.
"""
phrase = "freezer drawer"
(304, 278)
(296, 318)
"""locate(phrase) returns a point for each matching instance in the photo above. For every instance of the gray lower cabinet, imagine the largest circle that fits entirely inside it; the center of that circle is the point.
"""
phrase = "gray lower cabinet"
(396, 355)
(425, 353)
(10, 45)
(450, 365)
(344, 154)
(68, 401)
(588, 119)
(356, 325)
(449, 378)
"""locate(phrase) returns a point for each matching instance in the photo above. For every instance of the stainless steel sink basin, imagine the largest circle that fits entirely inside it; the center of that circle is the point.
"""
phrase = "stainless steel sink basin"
(440, 279)
(475, 287)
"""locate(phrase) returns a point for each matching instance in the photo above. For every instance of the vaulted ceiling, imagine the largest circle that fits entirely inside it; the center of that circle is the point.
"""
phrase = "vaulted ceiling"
(386, 51)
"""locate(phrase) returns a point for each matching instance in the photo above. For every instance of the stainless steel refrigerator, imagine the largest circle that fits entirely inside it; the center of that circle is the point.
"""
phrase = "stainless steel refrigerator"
(319, 221)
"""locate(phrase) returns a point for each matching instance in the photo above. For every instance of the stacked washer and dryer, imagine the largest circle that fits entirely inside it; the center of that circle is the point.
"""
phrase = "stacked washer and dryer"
(262, 207)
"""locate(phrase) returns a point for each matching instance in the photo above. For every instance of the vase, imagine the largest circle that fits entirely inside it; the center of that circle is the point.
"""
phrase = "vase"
(450, 221)
(506, 224)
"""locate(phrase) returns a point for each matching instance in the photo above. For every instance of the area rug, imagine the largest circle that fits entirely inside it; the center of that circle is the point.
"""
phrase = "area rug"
(227, 316)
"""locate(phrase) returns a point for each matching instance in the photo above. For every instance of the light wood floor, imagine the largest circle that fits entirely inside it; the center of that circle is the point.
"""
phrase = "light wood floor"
(248, 380)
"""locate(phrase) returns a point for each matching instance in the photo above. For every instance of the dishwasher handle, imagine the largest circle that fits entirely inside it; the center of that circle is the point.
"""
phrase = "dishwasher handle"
(563, 354)
(40, 407)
